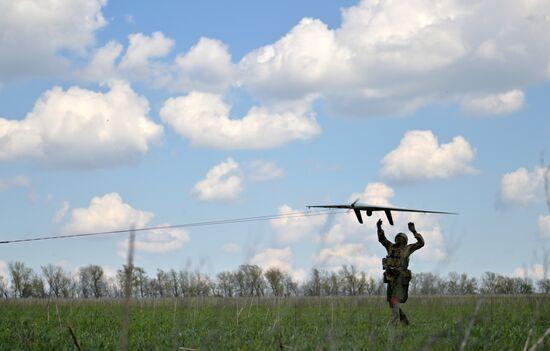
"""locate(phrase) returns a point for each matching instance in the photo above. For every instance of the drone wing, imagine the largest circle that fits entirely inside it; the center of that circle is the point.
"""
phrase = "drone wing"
(369, 209)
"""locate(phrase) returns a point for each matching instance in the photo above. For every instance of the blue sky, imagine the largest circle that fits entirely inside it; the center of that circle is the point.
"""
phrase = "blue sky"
(121, 113)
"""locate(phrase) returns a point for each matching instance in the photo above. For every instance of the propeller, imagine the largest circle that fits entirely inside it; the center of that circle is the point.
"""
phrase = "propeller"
(357, 212)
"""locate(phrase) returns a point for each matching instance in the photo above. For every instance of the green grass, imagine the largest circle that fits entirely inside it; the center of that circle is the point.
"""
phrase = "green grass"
(502, 323)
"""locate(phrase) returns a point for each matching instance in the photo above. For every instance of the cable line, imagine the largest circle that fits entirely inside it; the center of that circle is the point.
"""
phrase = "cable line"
(185, 225)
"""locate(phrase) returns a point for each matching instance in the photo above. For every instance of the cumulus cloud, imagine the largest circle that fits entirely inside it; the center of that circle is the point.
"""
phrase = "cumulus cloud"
(19, 181)
(157, 241)
(347, 242)
(3, 269)
(388, 57)
(278, 258)
(534, 272)
(107, 212)
(139, 62)
(345, 226)
(297, 64)
(61, 212)
(521, 187)
(102, 66)
(544, 226)
(205, 67)
(35, 33)
(222, 182)
(291, 229)
(203, 118)
(261, 170)
(227, 179)
(141, 49)
(435, 248)
(333, 258)
(494, 104)
(419, 156)
(82, 128)
(110, 212)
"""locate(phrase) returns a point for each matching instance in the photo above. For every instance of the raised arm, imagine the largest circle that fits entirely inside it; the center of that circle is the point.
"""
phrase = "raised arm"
(381, 237)
(419, 239)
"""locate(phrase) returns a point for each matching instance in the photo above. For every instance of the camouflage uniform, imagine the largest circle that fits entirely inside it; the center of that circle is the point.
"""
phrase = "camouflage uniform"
(396, 272)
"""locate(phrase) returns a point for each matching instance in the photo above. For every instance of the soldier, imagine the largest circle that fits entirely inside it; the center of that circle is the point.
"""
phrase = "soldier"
(396, 272)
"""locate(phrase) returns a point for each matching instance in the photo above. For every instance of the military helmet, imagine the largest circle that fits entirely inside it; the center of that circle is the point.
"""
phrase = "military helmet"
(401, 238)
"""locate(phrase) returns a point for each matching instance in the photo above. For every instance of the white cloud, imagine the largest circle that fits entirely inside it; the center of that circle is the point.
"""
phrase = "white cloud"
(342, 236)
(375, 194)
(494, 104)
(226, 180)
(206, 67)
(281, 259)
(222, 182)
(260, 171)
(140, 62)
(390, 57)
(109, 272)
(274, 258)
(347, 254)
(141, 50)
(231, 248)
(534, 272)
(107, 212)
(82, 128)
(544, 226)
(419, 156)
(61, 212)
(102, 66)
(110, 212)
(35, 32)
(20, 181)
(346, 226)
(435, 249)
(204, 119)
(291, 229)
(156, 241)
(3, 269)
(297, 64)
(521, 187)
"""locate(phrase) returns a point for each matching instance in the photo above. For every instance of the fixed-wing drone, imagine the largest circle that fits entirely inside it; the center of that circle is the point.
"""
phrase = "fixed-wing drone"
(369, 209)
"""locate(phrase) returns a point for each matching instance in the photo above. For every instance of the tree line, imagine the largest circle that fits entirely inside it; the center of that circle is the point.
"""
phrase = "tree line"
(248, 280)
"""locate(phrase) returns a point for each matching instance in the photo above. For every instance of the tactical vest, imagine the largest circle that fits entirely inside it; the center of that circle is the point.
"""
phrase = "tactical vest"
(396, 265)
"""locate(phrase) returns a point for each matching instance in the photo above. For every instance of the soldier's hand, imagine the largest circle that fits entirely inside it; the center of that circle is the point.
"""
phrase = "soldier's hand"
(379, 224)
(411, 227)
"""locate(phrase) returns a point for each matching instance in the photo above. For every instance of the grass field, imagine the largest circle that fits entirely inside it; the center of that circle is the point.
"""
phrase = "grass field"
(502, 323)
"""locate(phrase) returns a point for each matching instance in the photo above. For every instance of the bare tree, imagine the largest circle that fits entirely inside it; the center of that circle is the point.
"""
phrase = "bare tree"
(353, 282)
(254, 282)
(314, 285)
(275, 278)
(427, 284)
(4, 292)
(162, 283)
(57, 280)
(38, 289)
(92, 281)
(174, 283)
(200, 285)
(141, 281)
(544, 286)
(21, 279)
(291, 287)
(240, 283)
(226, 283)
